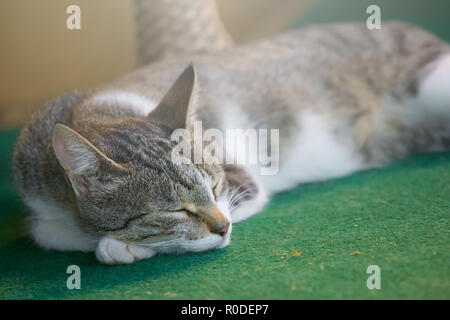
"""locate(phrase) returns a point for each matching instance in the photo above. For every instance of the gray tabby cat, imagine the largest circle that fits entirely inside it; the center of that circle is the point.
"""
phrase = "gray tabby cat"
(95, 168)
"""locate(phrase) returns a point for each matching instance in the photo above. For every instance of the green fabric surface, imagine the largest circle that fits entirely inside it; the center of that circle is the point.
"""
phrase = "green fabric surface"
(397, 217)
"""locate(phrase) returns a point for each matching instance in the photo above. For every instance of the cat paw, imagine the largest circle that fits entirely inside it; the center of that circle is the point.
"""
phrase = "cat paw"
(112, 251)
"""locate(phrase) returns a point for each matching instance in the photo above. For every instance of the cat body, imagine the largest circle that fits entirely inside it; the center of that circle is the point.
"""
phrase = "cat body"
(95, 168)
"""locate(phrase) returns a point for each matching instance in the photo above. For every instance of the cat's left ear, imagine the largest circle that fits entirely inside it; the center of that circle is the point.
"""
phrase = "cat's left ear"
(173, 108)
(87, 168)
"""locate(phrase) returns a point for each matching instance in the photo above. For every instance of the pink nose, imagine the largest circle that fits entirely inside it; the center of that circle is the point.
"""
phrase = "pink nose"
(223, 229)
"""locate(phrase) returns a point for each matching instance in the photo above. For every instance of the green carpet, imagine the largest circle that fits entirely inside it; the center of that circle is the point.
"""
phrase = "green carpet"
(396, 218)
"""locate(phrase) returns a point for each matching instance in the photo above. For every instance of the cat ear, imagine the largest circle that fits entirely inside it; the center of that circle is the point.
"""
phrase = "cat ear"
(173, 108)
(81, 160)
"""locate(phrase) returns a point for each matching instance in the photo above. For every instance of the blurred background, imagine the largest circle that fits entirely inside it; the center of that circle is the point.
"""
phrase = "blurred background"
(40, 58)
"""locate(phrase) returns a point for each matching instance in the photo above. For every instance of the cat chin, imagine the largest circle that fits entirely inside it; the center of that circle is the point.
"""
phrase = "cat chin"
(112, 251)
(210, 242)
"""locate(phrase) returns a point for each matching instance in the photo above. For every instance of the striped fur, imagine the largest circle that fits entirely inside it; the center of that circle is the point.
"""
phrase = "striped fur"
(343, 97)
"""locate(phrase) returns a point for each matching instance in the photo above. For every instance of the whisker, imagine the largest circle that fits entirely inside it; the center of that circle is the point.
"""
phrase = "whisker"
(164, 243)
(236, 195)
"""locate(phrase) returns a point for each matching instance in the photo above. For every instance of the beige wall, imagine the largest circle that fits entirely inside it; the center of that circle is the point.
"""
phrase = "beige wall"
(40, 58)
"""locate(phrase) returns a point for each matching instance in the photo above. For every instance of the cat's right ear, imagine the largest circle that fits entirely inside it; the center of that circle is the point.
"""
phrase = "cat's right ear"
(83, 163)
(174, 107)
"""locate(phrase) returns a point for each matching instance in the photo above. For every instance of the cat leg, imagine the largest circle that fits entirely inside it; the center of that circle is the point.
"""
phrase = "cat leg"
(112, 251)
(245, 196)
(419, 122)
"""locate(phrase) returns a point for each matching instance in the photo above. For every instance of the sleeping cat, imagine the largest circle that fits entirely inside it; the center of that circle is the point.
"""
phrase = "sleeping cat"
(95, 168)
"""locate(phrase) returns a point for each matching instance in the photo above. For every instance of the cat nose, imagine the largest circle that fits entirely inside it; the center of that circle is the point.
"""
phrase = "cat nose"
(222, 229)
(214, 219)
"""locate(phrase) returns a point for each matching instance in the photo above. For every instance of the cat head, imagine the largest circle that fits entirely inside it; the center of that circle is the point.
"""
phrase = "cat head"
(127, 185)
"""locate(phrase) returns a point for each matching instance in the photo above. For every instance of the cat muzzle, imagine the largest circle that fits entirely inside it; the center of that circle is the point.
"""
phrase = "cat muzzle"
(215, 219)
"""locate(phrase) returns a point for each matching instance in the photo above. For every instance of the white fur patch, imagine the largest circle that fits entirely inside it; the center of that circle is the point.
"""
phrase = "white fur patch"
(212, 241)
(317, 155)
(139, 103)
(53, 227)
(434, 92)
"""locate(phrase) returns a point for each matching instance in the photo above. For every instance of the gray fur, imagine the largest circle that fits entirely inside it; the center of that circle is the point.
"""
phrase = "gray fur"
(345, 67)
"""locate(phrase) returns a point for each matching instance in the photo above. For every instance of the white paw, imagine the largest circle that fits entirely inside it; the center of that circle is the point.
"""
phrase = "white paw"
(112, 251)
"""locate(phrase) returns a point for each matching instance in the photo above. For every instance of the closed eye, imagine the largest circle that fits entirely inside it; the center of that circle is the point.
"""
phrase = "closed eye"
(189, 213)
